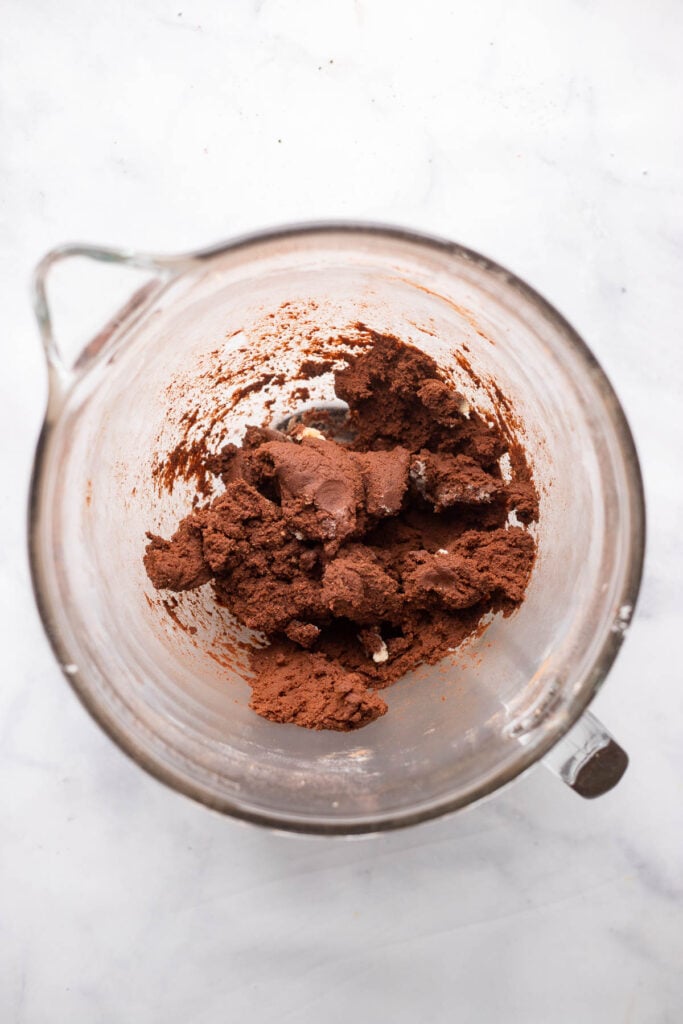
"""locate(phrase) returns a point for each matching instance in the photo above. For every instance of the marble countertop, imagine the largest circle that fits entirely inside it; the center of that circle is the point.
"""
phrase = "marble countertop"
(544, 135)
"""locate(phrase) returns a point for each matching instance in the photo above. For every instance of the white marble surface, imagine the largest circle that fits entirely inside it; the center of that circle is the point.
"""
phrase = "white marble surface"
(544, 135)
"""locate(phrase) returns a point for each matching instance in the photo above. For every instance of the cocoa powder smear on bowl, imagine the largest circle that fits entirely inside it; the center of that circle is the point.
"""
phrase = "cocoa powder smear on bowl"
(360, 560)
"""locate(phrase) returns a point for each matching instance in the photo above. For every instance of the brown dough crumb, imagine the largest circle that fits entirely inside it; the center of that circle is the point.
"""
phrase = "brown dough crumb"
(178, 563)
(311, 690)
(447, 480)
(311, 368)
(361, 561)
(304, 634)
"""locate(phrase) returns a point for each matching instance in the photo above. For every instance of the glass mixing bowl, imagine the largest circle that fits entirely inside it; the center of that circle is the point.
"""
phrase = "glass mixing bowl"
(167, 681)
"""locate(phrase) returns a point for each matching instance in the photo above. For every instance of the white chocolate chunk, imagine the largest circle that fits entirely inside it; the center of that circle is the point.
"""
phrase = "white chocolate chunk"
(382, 655)
(310, 432)
(505, 467)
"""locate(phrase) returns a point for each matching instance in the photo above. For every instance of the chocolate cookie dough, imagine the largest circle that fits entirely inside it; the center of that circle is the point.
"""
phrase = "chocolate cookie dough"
(360, 560)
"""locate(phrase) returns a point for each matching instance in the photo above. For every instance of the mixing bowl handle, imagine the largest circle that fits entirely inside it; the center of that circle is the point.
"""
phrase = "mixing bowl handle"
(162, 267)
(587, 758)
